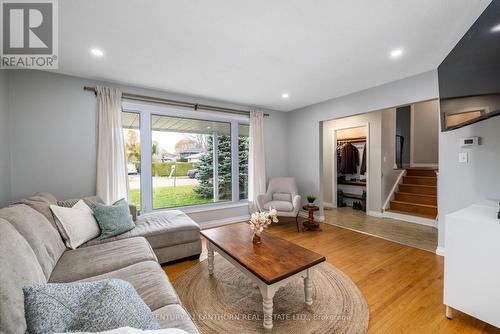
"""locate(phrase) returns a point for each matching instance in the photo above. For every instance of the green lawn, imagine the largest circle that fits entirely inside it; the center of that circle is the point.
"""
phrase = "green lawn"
(168, 197)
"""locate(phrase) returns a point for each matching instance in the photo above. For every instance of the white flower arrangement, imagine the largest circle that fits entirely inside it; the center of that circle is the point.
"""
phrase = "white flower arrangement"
(260, 220)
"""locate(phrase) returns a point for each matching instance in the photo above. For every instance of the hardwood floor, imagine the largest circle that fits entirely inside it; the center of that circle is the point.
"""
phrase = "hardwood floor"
(415, 235)
(402, 285)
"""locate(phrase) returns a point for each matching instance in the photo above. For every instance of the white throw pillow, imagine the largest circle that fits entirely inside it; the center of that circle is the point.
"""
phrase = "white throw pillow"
(77, 224)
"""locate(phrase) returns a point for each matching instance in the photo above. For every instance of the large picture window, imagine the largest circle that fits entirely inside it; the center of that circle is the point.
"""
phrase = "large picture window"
(185, 161)
(191, 161)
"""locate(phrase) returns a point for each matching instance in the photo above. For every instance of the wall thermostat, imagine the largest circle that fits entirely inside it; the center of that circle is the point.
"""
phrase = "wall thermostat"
(470, 141)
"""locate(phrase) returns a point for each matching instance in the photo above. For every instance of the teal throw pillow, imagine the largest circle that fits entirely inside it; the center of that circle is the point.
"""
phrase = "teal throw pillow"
(112, 219)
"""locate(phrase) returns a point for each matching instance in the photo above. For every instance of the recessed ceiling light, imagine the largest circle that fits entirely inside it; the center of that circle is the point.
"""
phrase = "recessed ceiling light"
(97, 52)
(396, 53)
(496, 28)
(285, 95)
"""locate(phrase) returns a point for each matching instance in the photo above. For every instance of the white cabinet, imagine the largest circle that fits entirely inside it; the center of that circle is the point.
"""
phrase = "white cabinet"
(472, 262)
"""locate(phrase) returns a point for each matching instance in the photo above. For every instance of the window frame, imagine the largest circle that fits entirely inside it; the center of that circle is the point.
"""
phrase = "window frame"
(146, 111)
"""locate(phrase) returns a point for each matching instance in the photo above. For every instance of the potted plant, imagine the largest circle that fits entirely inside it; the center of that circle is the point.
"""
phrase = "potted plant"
(310, 200)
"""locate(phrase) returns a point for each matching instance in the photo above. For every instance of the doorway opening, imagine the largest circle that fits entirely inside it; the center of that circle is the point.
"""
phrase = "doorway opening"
(350, 167)
(403, 136)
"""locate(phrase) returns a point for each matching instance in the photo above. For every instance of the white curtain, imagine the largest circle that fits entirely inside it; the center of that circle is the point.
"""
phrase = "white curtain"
(256, 159)
(112, 182)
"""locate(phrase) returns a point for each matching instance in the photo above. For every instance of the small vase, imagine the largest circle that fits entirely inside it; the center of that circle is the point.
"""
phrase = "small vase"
(310, 204)
(256, 238)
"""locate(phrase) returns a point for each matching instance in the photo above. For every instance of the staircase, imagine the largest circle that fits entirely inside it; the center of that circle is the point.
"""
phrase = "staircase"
(417, 194)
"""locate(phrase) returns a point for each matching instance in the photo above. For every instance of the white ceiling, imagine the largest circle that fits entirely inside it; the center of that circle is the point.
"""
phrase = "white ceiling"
(250, 52)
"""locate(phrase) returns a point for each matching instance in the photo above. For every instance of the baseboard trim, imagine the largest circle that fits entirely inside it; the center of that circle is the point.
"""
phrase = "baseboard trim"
(440, 251)
(224, 221)
(411, 219)
(375, 214)
(328, 205)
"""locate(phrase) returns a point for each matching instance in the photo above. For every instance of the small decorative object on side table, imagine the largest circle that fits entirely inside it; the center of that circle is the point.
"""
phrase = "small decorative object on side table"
(310, 200)
(261, 220)
(310, 224)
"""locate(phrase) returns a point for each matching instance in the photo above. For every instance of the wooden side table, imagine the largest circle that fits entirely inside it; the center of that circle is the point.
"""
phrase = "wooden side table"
(310, 224)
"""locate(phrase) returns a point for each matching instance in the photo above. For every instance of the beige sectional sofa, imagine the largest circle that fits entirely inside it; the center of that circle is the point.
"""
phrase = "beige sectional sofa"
(32, 251)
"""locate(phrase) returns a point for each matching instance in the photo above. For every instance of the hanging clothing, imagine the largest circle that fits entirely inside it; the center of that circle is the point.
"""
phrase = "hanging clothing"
(349, 159)
(363, 162)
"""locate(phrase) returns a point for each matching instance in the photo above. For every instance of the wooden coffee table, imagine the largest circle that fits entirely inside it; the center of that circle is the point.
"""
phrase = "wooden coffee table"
(270, 265)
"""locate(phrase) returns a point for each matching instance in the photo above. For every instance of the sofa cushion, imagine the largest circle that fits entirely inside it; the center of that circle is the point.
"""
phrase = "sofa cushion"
(162, 229)
(91, 261)
(43, 238)
(19, 266)
(174, 316)
(85, 307)
(279, 205)
(148, 279)
(40, 202)
(69, 203)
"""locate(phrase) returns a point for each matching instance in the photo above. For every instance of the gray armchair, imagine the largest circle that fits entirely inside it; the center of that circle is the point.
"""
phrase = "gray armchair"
(283, 195)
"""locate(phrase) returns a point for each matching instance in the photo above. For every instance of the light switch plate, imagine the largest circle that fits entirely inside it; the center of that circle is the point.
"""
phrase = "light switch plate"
(463, 157)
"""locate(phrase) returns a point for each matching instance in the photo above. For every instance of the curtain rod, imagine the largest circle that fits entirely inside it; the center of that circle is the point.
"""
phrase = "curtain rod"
(195, 106)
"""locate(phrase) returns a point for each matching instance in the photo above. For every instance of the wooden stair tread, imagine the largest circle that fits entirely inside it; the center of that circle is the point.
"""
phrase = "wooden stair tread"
(412, 214)
(421, 172)
(417, 194)
(413, 194)
(417, 185)
(420, 177)
(416, 204)
(422, 168)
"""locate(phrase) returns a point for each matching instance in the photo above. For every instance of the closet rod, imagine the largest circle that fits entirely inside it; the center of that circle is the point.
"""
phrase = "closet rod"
(352, 140)
(195, 106)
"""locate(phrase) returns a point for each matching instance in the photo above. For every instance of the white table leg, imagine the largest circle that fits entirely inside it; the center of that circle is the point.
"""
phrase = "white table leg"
(267, 304)
(308, 288)
(210, 251)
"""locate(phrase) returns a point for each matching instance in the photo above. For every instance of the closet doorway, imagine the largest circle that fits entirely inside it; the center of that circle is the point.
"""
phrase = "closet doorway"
(350, 166)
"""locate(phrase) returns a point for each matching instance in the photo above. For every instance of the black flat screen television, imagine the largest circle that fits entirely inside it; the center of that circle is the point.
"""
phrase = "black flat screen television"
(469, 77)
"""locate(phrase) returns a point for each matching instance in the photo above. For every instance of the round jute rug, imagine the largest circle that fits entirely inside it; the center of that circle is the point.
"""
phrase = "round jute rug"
(228, 302)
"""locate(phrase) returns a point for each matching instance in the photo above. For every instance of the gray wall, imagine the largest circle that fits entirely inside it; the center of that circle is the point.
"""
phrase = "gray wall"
(463, 184)
(304, 144)
(425, 133)
(53, 137)
(5, 188)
